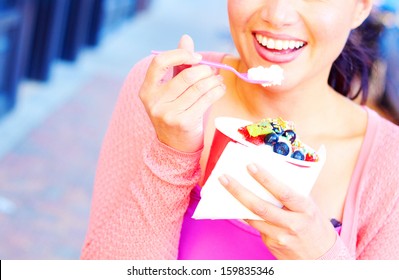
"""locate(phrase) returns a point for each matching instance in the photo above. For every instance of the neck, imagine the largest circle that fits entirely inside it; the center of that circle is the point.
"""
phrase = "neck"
(310, 104)
(304, 106)
(288, 104)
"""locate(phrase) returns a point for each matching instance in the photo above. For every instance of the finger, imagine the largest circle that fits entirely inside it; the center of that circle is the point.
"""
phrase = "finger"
(272, 235)
(197, 110)
(202, 104)
(201, 95)
(209, 89)
(163, 62)
(187, 43)
(188, 78)
(265, 210)
(158, 68)
(287, 196)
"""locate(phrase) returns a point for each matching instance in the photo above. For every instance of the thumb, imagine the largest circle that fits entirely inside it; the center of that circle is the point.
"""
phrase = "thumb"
(186, 42)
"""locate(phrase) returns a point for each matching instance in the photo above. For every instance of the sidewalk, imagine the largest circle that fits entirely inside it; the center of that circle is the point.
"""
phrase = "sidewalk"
(49, 144)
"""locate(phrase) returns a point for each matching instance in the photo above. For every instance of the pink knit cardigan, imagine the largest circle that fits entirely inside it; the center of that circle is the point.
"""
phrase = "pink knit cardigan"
(142, 189)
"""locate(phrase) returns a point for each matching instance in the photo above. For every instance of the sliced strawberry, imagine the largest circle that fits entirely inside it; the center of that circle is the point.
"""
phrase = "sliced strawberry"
(258, 140)
(243, 130)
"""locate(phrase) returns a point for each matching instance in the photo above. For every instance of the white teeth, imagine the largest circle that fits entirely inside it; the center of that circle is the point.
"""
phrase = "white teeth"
(270, 44)
(264, 41)
(299, 44)
(278, 44)
(286, 45)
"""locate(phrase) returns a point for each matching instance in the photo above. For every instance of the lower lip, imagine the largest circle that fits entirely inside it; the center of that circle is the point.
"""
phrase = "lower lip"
(284, 56)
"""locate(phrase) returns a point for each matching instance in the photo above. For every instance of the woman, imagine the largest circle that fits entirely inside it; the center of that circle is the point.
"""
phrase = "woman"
(158, 143)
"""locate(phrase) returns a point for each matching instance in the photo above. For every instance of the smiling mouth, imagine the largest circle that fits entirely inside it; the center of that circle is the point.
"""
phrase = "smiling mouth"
(278, 45)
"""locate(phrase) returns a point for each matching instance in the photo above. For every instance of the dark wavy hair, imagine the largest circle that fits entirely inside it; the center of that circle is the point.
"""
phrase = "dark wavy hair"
(356, 61)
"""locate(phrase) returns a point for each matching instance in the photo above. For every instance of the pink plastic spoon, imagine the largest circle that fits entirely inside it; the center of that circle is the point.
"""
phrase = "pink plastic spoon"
(243, 76)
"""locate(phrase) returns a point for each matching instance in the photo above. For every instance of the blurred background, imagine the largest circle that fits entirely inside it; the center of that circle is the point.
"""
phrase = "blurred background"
(62, 63)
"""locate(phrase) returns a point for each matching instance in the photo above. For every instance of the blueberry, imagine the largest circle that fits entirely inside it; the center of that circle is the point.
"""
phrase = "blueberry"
(290, 135)
(298, 155)
(281, 148)
(271, 139)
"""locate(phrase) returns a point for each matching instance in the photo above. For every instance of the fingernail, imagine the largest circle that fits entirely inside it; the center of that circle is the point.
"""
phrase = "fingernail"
(223, 180)
(197, 56)
(252, 168)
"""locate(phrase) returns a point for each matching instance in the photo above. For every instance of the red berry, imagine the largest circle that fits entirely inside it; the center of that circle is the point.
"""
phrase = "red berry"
(258, 140)
(311, 157)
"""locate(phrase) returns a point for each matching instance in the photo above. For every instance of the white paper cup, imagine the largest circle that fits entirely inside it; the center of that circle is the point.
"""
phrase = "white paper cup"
(217, 203)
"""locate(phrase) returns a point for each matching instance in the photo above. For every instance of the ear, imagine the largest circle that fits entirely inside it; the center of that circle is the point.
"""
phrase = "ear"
(362, 11)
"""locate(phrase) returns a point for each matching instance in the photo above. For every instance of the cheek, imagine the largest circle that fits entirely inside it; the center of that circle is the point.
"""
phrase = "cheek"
(331, 31)
(236, 12)
(239, 15)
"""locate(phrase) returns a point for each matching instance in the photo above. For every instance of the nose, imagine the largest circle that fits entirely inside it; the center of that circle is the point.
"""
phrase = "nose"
(279, 13)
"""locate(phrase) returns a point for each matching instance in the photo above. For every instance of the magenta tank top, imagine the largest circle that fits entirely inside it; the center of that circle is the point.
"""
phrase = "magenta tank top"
(218, 239)
(221, 239)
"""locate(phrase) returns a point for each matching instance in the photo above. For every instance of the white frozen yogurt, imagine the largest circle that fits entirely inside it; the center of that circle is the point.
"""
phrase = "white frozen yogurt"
(273, 74)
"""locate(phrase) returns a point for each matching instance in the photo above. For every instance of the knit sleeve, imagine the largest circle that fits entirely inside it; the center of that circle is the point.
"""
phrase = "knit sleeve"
(384, 245)
(141, 188)
(378, 197)
(378, 228)
(339, 251)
